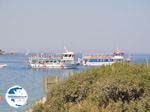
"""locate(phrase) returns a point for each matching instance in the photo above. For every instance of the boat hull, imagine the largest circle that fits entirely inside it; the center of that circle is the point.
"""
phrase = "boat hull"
(97, 63)
(65, 66)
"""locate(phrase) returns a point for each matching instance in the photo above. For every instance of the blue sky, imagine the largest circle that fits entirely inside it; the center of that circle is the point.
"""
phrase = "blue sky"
(80, 25)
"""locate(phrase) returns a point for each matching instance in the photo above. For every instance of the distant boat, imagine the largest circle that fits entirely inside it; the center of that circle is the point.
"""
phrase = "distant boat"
(3, 65)
(12, 53)
(2, 52)
(65, 60)
(99, 60)
(7, 53)
(26, 54)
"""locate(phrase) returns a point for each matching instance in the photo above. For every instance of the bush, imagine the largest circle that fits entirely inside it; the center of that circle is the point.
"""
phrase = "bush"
(121, 87)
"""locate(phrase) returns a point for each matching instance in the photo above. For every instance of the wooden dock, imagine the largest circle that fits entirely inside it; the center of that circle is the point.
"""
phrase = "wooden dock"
(49, 81)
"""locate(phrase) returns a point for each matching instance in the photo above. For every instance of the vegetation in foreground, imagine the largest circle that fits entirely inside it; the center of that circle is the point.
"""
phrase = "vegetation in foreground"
(121, 87)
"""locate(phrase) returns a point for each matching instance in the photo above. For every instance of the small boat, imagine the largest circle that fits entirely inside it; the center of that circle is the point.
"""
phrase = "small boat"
(65, 60)
(2, 52)
(3, 65)
(99, 60)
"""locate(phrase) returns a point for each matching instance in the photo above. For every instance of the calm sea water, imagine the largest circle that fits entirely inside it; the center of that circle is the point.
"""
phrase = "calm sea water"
(18, 73)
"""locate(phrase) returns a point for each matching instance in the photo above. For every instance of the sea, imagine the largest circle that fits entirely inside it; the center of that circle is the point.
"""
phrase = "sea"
(19, 73)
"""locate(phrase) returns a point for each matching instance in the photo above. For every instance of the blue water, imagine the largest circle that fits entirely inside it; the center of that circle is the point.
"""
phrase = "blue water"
(18, 73)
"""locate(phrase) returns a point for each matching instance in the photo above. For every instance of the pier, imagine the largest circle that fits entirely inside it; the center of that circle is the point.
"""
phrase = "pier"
(49, 81)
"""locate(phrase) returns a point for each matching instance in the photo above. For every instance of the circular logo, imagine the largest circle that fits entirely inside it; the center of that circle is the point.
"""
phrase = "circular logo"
(16, 96)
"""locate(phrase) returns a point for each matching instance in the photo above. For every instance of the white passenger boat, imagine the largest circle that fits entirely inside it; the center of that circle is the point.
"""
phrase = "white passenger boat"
(3, 65)
(99, 60)
(65, 60)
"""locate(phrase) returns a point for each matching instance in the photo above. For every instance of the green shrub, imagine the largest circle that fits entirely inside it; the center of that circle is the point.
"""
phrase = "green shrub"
(38, 107)
(121, 87)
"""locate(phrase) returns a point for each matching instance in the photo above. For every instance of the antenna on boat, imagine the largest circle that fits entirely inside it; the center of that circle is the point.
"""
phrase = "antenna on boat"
(66, 49)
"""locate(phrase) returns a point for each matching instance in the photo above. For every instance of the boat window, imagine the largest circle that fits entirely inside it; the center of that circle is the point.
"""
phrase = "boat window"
(100, 60)
(111, 60)
(119, 60)
(65, 55)
(106, 60)
(92, 60)
(34, 61)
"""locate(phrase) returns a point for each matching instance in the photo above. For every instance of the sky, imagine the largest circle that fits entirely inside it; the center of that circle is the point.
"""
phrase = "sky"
(80, 25)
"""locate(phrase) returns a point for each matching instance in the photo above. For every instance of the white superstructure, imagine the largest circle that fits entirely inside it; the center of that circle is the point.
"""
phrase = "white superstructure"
(99, 60)
(65, 60)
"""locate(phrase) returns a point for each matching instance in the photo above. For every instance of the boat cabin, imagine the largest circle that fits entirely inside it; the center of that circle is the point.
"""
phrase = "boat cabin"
(68, 56)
